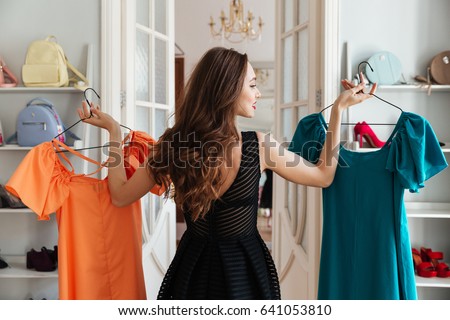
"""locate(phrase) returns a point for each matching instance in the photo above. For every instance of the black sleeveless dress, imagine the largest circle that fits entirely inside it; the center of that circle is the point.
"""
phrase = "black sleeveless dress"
(222, 256)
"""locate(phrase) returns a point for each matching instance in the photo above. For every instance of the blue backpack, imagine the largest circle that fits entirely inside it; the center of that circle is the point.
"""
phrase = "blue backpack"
(39, 122)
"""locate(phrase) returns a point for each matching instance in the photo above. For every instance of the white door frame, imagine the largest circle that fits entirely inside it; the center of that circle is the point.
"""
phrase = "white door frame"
(118, 50)
(110, 53)
(323, 90)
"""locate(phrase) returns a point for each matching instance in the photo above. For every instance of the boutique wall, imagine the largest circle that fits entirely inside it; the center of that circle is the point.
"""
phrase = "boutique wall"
(193, 36)
(75, 24)
(414, 31)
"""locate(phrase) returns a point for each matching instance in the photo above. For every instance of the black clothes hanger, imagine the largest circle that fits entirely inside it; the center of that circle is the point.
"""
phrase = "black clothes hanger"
(90, 116)
(373, 94)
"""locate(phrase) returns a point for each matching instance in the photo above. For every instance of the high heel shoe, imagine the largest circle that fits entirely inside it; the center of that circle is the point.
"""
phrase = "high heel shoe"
(422, 268)
(363, 130)
(433, 257)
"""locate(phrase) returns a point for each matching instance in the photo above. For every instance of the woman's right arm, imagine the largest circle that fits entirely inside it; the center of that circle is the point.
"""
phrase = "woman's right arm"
(123, 191)
(295, 168)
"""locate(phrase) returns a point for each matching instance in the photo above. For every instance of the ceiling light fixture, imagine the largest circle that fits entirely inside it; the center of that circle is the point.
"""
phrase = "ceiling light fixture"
(236, 28)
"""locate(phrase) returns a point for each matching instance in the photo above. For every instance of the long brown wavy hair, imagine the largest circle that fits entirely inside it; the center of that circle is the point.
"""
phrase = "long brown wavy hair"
(190, 154)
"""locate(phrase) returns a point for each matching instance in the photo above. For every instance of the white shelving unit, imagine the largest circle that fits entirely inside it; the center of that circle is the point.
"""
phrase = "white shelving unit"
(14, 211)
(428, 212)
(18, 270)
(20, 230)
(40, 90)
(13, 147)
(417, 86)
(422, 282)
(429, 222)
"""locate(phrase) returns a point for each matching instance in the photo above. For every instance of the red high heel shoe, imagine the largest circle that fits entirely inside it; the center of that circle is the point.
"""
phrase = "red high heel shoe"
(422, 268)
(429, 255)
(363, 130)
(433, 257)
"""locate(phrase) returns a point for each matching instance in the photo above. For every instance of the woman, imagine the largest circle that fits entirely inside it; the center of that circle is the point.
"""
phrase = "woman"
(215, 171)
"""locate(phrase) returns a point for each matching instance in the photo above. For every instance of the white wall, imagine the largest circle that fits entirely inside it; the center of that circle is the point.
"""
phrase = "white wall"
(75, 24)
(410, 29)
(193, 36)
(414, 31)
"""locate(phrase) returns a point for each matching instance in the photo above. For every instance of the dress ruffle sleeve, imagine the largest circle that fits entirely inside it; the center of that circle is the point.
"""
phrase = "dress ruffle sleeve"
(38, 182)
(136, 153)
(415, 154)
(309, 137)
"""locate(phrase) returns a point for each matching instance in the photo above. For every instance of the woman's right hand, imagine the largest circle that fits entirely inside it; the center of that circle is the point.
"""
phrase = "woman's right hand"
(95, 117)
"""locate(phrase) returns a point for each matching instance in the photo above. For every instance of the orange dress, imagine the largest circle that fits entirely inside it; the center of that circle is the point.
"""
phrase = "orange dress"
(99, 245)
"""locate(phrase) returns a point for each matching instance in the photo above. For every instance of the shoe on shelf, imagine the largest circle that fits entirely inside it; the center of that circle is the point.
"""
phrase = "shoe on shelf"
(423, 268)
(3, 263)
(431, 256)
(54, 255)
(443, 270)
(363, 131)
(43, 260)
(417, 260)
(9, 200)
(426, 270)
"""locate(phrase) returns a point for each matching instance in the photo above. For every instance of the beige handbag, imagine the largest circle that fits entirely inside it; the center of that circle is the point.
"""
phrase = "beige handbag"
(46, 65)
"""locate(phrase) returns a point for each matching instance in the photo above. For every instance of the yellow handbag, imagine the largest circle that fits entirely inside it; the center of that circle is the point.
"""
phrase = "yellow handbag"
(46, 65)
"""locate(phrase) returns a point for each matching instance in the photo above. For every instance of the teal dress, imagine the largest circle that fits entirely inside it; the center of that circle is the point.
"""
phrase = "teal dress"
(366, 250)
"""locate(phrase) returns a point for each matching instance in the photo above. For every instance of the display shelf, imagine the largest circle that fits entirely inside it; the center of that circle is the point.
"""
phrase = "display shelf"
(418, 213)
(446, 147)
(18, 210)
(14, 147)
(434, 282)
(421, 87)
(436, 210)
(20, 229)
(41, 89)
(17, 269)
(354, 146)
(358, 149)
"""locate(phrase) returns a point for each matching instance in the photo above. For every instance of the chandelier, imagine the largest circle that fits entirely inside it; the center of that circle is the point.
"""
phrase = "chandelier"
(235, 28)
